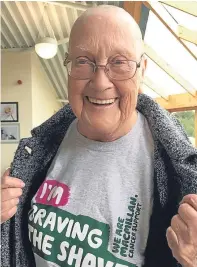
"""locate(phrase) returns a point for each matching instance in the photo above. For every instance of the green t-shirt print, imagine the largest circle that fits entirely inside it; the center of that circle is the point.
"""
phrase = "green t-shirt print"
(66, 239)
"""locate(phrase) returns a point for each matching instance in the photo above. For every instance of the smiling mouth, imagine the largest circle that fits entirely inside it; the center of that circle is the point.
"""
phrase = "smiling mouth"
(100, 102)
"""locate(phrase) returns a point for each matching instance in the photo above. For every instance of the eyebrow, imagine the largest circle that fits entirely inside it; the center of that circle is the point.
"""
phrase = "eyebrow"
(121, 52)
(126, 53)
(84, 54)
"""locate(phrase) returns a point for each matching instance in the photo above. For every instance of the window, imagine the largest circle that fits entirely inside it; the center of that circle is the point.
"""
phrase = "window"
(187, 119)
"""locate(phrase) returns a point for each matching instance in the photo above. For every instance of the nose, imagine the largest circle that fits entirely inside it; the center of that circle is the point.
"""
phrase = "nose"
(100, 80)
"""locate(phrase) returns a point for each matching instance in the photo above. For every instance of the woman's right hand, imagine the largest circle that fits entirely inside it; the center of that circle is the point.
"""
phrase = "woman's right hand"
(11, 190)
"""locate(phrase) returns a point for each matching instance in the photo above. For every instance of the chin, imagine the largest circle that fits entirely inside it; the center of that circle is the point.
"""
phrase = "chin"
(103, 127)
(99, 125)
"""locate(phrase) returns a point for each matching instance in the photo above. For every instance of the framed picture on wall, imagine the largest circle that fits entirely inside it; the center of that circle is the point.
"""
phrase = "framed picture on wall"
(10, 132)
(9, 111)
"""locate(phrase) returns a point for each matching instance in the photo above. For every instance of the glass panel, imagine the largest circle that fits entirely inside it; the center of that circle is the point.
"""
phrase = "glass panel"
(185, 20)
(187, 119)
(167, 46)
(182, 18)
(149, 92)
(192, 47)
(162, 79)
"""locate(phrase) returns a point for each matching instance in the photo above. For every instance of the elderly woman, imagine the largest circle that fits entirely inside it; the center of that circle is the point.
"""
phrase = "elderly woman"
(110, 180)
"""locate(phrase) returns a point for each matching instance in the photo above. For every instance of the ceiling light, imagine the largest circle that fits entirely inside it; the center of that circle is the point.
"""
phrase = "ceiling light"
(46, 47)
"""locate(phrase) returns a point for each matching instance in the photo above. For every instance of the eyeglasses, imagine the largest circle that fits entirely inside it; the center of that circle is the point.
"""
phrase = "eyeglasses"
(118, 69)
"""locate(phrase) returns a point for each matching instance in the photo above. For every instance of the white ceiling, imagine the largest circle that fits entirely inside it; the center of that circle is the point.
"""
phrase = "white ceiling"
(23, 22)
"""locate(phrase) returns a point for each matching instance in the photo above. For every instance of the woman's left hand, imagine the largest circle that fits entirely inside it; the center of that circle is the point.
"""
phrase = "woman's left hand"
(182, 234)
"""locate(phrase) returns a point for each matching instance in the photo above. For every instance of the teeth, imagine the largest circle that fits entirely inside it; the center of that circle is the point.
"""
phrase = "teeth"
(101, 102)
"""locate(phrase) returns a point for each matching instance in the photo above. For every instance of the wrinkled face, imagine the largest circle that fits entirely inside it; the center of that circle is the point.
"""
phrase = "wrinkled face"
(102, 40)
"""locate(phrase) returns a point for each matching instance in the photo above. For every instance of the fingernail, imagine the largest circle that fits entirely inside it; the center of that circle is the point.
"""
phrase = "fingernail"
(22, 184)
(193, 201)
(181, 202)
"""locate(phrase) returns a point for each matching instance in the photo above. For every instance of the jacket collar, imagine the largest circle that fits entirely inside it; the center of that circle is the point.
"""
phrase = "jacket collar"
(164, 126)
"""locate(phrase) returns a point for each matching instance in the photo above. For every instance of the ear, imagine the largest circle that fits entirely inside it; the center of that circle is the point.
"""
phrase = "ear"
(144, 65)
(143, 69)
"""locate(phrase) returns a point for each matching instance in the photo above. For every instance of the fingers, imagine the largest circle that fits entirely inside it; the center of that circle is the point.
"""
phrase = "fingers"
(8, 181)
(180, 228)
(182, 233)
(9, 204)
(10, 193)
(171, 238)
(7, 172)
(187, 213)
(8, 214)
(11, 190)
(190, 199)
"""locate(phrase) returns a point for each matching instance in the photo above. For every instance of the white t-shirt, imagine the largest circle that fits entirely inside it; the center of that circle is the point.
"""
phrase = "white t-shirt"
(94, 207)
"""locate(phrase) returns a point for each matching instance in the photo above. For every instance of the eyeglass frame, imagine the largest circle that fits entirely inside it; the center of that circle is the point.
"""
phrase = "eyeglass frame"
(95, 67)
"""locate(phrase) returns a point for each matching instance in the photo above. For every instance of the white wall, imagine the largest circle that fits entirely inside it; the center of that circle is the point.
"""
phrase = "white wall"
(44, 97)
(35, 96)
(14, 67)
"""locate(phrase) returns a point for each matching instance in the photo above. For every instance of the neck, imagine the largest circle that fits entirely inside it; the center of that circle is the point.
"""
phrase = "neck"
(103, 136)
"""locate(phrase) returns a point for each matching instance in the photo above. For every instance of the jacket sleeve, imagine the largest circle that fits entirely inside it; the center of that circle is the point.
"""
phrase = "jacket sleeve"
(12, 230)
(187, 173)
(6, 243)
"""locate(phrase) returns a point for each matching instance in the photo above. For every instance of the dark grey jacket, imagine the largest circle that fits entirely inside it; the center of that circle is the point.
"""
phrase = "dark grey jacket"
(175, 175)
